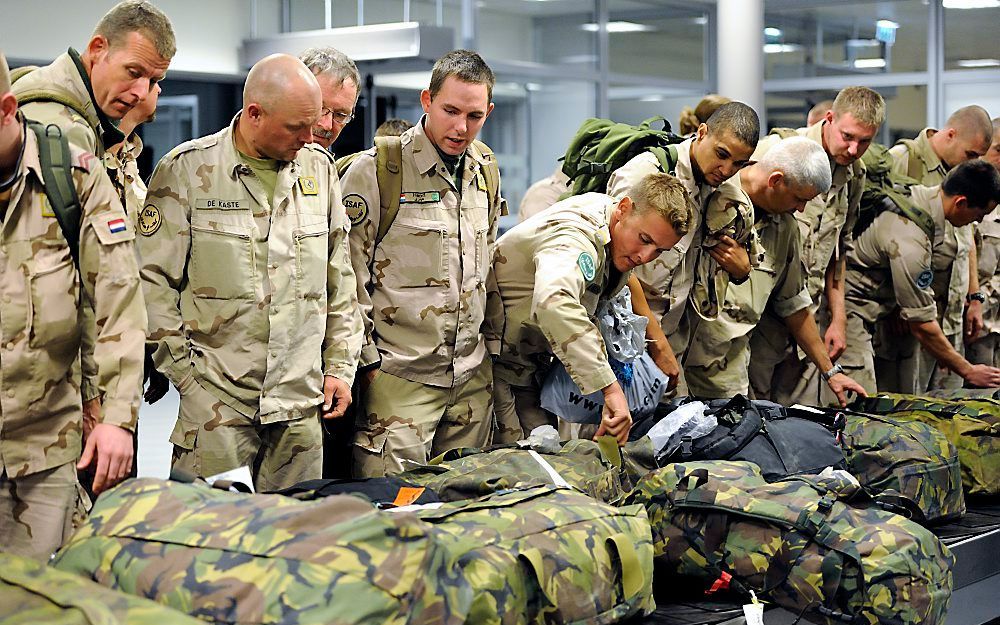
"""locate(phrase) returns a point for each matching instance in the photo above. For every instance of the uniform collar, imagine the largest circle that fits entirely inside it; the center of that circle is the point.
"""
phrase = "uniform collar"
(111, 134)
(929, 199)
(684, 171)
(425, 155)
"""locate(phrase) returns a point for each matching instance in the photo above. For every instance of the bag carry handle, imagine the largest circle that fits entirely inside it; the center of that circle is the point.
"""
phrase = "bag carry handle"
(631, 578)
(610, 450)
(536, 564)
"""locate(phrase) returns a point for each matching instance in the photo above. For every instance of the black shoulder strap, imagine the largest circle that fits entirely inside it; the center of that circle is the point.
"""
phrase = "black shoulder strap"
(57, 176)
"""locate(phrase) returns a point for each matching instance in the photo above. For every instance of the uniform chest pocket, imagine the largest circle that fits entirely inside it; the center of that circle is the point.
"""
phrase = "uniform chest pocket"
(222, 262)
(54, 312)
(311, 256)
(412, 255)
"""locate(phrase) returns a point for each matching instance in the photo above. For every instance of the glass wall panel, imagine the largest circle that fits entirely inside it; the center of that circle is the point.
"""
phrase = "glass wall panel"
(971, 38)
(556, 32)
(633, 105)
(805, 39)
(906, 110)
(665, 42)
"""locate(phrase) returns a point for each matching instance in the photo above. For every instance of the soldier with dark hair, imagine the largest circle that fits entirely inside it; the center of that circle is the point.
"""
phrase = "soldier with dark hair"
(392, 127)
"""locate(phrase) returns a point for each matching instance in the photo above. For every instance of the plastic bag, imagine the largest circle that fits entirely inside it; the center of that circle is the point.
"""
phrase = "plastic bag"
(562, 397)
(624, 331)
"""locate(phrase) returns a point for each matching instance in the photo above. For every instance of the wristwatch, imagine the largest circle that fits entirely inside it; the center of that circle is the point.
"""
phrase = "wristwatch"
(832, 372)
(978, 296)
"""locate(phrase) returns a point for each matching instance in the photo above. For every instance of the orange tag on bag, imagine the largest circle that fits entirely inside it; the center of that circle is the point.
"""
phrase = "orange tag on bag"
(407, 495)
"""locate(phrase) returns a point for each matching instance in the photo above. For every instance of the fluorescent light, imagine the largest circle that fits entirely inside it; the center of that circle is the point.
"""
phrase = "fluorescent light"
(862, 43)
(776, 48)
(651, 98)
(886, 24)
(978, 63)
(619, 27)
(701, 20)
(771, 31)
(971, 4)
(869, 63)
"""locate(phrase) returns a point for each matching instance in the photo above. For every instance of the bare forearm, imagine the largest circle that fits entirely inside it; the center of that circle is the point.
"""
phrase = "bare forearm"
(835, 291)
(802, 326)
(933, 340)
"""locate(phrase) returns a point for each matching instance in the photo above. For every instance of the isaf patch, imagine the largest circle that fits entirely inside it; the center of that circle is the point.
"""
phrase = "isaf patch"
(149, 220)
(356, 207)
(925, 278)
(46, 207)
(587, 266)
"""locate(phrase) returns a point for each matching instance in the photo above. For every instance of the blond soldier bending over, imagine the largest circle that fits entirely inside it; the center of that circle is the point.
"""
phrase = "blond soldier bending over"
(551, 272)
(717, 365)
(429, 327)
(890, 265)
(40, 407)
(660, 290)
(900, 364)
(249, 286)
(781, 371)
(984, 347)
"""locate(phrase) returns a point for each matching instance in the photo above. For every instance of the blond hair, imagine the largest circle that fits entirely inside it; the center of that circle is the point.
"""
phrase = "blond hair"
(666, 195)
(863, 104)
(138, 16)
(4, 75)
(691, 118)
(972, 121)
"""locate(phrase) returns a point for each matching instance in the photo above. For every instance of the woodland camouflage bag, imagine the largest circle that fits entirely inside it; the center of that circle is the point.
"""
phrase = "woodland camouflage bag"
(793, 543)
(248, 559)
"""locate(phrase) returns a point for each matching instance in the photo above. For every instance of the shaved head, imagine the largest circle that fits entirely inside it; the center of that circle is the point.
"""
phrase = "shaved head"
(276, 78)
(281, 103)
(972, 122)
(967, 135)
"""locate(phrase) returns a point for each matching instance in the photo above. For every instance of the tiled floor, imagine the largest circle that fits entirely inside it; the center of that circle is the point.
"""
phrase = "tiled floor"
(155, 424)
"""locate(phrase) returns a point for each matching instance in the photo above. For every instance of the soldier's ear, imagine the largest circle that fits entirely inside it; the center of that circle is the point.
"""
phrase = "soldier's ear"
(8, 109)
(97, 46)
(774, 179)
(425, 99)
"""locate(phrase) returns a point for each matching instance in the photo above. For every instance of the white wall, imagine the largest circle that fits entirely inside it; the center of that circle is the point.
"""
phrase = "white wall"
(209, 33)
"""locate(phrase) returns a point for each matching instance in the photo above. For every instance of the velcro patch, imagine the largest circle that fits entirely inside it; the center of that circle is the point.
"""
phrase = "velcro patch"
(356, 207)
(420, 197)
(587, 266)
(925, 278)
(149, 220)
(212, 203)
(308, 185)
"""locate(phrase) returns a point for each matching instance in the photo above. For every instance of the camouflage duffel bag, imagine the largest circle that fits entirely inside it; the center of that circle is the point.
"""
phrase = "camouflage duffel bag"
(972, 425)
(248, 559)
(548, 554)
(32, 593)
(907, 467)
(793, 543)
(600, 469)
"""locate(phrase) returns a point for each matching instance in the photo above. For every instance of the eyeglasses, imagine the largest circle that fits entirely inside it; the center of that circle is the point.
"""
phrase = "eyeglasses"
(341, 118)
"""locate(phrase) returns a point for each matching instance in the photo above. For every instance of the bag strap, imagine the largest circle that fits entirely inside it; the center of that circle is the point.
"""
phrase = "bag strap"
(666, 157)
(57, 175)
(389, 173)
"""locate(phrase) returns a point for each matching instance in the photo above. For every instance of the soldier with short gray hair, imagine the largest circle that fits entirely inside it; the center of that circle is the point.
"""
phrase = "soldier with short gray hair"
(43, 291)
(249, 286)
(339, 81)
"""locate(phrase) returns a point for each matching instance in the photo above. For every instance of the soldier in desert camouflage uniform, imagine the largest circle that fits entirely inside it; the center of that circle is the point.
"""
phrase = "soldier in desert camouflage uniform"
(985, 349)
(705, 162)
(717, 363)
(781, 372)
(901, 365)
(249, 287)
(429, 325)
(551, 272)
(42, 293)
(891, 264)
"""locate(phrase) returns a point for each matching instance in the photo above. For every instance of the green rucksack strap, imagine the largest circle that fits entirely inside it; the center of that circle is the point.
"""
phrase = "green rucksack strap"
(44, 95)
(57, 176)
(666, 157)
(389, 173)
(344, 162)
(913, 158)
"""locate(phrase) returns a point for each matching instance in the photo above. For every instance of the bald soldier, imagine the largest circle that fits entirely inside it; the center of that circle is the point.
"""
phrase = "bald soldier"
(900, 364)
(338, 80)
(782, 372)
(984, 347)
(249, 286)
(430, 325)
(661, 289)
(891, 265)
(717, 364)
(42, 289)
(553, 269)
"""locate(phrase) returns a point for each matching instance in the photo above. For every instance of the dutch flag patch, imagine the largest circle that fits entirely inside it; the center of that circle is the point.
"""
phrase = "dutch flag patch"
(116, 225)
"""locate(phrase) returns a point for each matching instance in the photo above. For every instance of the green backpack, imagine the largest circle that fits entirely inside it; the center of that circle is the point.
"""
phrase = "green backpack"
(548, 554)
(887, 191)
(795, 543)
(32, 593)
(57, 176)
(234, 558)
(601, 146)
(972, 425)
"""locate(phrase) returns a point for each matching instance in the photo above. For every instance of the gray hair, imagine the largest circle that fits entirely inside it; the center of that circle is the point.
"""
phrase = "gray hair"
(332, 62)
(803, 162)
(138, 16)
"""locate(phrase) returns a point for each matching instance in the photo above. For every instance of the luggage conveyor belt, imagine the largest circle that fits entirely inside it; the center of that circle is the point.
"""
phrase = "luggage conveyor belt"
(975, 541)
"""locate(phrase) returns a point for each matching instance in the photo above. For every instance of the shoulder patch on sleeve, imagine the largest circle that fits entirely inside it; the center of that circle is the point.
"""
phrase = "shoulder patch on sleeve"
(925, 278)
(112, 227)
(149, 220)
(587, 266)
(356, 207)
